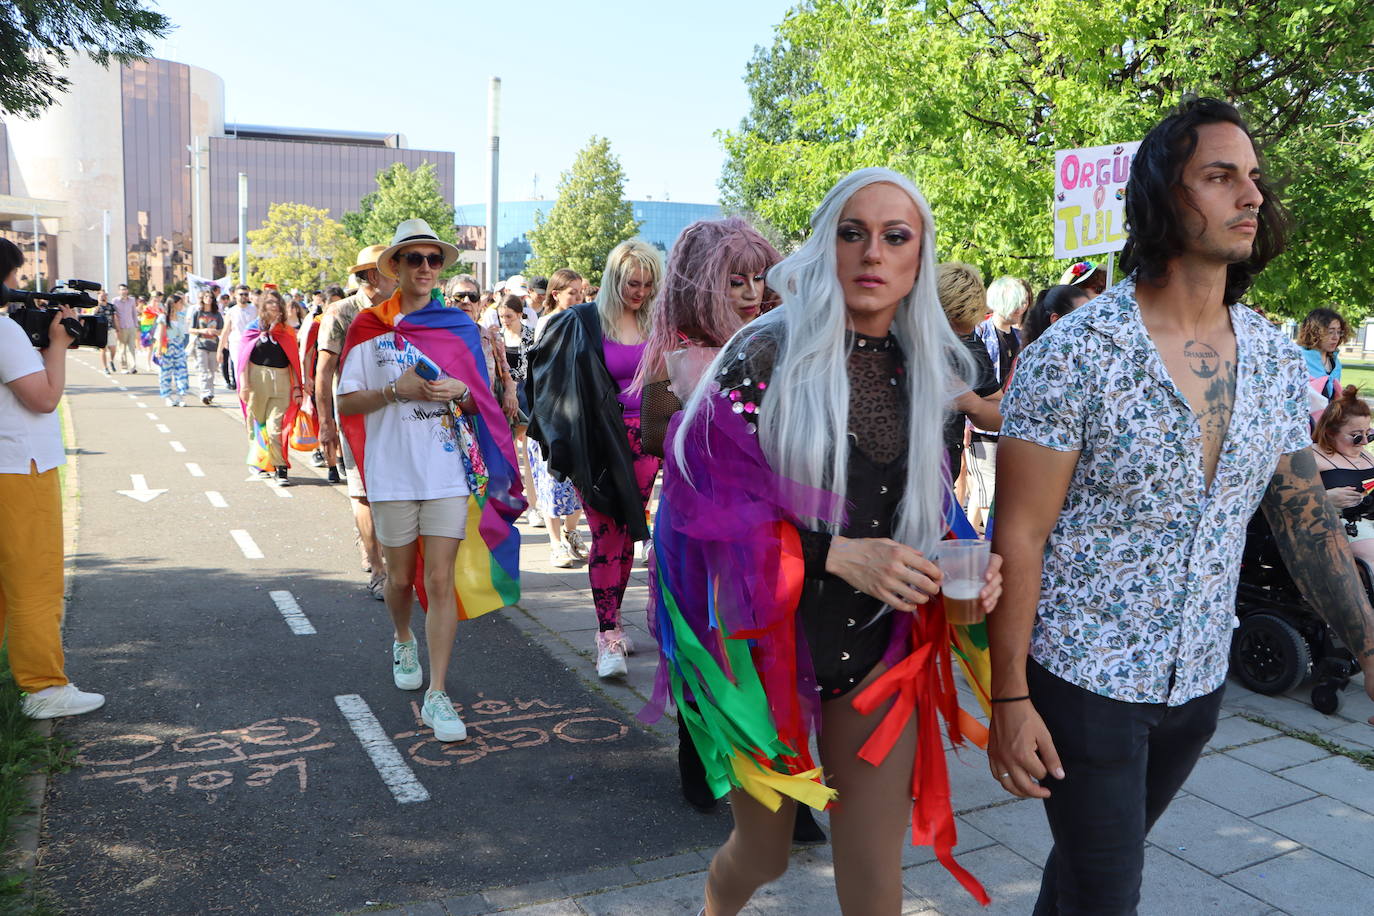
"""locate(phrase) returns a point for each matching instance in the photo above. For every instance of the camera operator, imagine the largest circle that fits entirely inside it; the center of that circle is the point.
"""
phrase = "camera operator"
(31, 510)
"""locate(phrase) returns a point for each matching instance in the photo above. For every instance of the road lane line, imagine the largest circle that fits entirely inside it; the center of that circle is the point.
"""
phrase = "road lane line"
(177, 446)
(194, 469)
(150, 415)
(291, 611)
(284, 494)
(216, 499)
(133, 397)
(162, 428)
(245, 542)
(399, 777)
(140, 405)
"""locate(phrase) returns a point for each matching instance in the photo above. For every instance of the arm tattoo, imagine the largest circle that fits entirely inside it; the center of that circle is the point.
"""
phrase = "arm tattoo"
(1313, 544)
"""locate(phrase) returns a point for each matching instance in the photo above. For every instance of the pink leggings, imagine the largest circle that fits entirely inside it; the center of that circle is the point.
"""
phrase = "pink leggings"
(613, 552)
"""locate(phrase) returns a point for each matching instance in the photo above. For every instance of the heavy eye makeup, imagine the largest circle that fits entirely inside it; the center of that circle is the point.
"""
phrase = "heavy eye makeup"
(893, 235)
(738, 280)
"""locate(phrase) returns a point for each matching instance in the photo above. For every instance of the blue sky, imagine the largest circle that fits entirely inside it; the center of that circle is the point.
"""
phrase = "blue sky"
(657, 79)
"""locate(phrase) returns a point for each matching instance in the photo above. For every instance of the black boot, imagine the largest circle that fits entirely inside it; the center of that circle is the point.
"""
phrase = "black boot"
(805, 830)
(693, 774)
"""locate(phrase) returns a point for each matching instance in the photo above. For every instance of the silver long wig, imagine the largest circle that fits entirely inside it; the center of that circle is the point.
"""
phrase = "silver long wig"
(803, 424)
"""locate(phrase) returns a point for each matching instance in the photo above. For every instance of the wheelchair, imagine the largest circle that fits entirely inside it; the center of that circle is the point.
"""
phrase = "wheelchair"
(1281, 642)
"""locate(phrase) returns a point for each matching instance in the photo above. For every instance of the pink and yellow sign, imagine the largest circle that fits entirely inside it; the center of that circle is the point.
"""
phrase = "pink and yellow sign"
(1090, 199)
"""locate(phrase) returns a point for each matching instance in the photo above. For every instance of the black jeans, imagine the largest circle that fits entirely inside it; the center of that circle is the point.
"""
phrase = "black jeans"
(1123, 763)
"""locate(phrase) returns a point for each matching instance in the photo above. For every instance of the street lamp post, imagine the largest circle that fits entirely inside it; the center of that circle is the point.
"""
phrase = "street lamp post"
(243, 228)
(494, 129)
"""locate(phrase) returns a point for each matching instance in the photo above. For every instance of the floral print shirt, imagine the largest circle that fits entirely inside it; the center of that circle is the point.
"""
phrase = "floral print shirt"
(1138, 588)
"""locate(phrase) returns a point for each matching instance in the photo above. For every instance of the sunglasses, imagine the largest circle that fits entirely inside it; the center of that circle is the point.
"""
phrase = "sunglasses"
(415, 259)
(1360, 438)
(471, 297)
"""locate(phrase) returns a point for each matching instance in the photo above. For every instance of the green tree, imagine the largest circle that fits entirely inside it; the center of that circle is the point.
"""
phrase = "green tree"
(402, 194)
(972, 97)
(37, 39)
(298, 247)
(590, 217)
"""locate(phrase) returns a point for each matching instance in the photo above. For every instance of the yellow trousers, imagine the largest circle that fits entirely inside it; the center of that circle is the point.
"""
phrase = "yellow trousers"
(31, 577)
(269, 394)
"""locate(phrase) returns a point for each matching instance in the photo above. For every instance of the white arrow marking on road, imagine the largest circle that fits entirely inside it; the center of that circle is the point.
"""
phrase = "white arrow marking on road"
(399, 777)
(246, 544)
(177, 446)
(162, 428)
(151, 416)
(295, 617)
(216, 500)
(194, 469)
(140, 490)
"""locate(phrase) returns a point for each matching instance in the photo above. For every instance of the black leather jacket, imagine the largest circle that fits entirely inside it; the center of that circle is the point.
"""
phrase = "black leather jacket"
(576, 417)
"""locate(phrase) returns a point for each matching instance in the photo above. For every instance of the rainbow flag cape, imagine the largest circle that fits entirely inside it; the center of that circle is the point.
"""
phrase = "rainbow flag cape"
(487, 569)
(726, 579)
(258, 455)
(147, 319)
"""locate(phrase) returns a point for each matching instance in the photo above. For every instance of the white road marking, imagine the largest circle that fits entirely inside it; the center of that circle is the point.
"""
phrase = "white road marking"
(140, 489)
(151, 416)
(291, 611)
(246, 544)
(162, 428)
(132, 397)
(140, 405)
(216, 500)
(177, 446)
(399, 777)
(284, 494)
(194, 469)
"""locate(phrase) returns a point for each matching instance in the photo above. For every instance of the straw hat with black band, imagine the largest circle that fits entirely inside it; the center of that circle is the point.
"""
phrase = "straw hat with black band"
(414, 232)
(367, 259)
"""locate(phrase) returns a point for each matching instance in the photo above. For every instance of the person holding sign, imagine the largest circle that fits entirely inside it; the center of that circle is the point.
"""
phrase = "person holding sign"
(1109, 646)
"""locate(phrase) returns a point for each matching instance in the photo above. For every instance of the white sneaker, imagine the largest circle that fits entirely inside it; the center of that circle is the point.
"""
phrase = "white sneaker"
(535, 519)
(167, 402)
(66, 700)
(561, 557)
(576, 546)
(405, 665)
(610, 655)
(619, 635)
(438, 714)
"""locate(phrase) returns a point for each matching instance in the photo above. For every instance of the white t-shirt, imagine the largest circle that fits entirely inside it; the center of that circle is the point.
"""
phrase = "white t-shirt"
(237, 319)
(24, 435)
(412, 446)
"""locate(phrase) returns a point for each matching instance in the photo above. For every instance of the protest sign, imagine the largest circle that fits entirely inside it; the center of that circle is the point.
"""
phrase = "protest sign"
(1090, 199)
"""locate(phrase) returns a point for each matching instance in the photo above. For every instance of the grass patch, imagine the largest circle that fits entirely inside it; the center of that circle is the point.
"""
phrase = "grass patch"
(1363, 758)
(1361, 375)
(23, 752)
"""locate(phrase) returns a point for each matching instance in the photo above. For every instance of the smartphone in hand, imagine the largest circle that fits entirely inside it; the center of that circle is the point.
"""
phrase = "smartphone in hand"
(427, 370)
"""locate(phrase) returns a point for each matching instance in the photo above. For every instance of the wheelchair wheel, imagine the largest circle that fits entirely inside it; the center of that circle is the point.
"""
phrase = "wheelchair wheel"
(1326, 698)
(1269, 655)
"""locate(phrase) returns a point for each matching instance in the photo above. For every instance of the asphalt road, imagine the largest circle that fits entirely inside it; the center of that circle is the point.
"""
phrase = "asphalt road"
(240, 766)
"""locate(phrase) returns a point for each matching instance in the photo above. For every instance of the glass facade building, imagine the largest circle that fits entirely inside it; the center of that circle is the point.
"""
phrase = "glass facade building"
(329, 176)
(661, 222)
(156, 101)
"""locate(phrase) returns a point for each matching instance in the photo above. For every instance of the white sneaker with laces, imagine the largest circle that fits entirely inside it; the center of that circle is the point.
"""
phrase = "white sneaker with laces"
(67, 700)
(405, 665)
(576, 545)
(438, 714)
(620, 636)
(610, 655)
(561, 557)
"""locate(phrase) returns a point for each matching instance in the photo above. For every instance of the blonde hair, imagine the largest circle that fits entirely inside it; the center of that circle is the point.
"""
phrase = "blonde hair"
(960, 288)
(610, 304)
(1007, 296)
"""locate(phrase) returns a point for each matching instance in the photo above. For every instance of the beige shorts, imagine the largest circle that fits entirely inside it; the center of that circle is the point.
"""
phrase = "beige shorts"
(399, 522)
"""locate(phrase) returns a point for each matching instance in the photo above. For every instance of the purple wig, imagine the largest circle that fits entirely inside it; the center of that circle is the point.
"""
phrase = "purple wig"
(695, 302)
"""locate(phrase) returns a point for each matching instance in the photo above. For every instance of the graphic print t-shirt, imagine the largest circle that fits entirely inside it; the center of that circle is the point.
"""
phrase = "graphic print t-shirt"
(412, 446)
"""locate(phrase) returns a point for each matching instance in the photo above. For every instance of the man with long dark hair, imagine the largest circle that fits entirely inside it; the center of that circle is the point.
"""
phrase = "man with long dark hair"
(1138, 441)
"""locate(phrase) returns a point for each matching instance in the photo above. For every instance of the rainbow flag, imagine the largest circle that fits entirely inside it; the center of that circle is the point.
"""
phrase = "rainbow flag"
(285, 337)
(969, 642)
(487, 569)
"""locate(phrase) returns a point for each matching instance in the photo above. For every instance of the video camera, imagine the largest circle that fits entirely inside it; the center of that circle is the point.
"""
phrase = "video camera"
(35, 318)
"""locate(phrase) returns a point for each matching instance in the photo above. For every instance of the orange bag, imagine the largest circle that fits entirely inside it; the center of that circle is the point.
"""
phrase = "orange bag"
(305, 432)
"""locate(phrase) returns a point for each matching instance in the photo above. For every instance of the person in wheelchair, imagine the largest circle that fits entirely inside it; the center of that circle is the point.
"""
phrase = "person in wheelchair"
(1347, 470)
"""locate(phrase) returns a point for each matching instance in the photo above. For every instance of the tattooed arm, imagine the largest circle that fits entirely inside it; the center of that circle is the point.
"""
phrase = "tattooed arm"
(1314, 547)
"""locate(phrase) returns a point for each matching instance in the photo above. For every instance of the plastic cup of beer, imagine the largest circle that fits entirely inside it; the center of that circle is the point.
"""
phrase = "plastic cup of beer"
(963, 564)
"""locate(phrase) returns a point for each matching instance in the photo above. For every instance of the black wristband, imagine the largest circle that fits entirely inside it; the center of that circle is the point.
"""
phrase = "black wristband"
(1010, 699)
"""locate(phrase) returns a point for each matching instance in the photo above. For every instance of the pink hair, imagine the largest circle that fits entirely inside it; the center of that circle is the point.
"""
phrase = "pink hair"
(695, 301)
